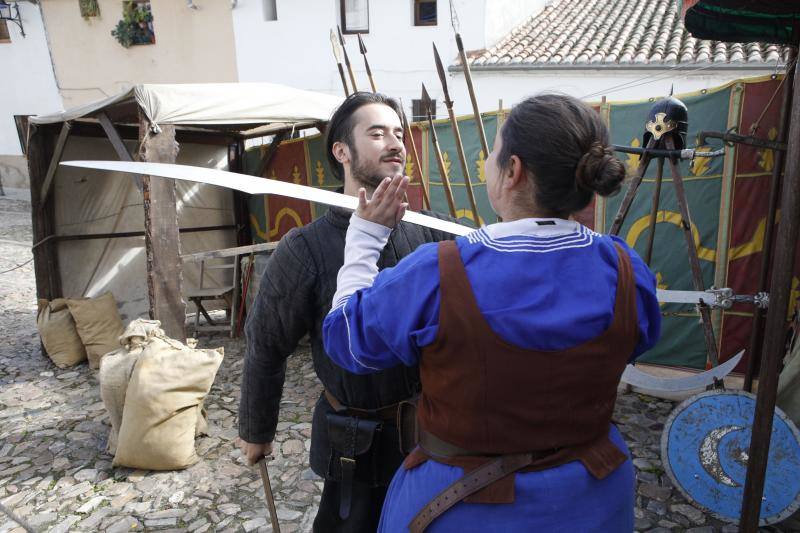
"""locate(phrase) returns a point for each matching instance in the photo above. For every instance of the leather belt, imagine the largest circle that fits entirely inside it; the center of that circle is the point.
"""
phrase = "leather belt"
(383, 413)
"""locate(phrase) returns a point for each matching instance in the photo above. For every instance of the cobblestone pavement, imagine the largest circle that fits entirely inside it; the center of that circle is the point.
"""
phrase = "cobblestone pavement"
(55, 474)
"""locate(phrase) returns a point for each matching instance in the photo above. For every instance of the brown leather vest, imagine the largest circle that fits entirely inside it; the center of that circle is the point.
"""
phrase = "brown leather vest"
(481, 393)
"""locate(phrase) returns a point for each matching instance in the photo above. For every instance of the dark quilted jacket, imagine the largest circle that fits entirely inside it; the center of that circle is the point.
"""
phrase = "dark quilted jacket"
(293, 300)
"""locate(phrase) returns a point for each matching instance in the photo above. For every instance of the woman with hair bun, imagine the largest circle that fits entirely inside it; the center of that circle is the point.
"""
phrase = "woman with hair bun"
(521, 331)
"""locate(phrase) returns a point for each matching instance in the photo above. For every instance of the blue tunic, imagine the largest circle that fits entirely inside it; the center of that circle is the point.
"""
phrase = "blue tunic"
(540, 284)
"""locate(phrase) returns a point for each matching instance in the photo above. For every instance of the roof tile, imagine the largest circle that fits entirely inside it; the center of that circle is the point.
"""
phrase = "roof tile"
(607, 32)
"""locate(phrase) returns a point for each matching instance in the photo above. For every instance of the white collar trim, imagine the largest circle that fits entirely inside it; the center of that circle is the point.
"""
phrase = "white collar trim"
(534, 227)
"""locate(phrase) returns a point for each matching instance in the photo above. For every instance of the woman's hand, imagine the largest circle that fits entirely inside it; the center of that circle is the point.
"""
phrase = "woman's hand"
(387, 205)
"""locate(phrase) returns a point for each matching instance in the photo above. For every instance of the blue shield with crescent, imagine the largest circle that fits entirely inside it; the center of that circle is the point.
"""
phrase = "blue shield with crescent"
(705, 446)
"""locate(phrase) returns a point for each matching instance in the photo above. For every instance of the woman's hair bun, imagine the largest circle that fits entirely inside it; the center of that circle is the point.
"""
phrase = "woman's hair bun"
(599, 170)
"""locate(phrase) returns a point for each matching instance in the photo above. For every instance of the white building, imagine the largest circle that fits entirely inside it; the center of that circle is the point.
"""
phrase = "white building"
(285, 41)
(622, 49)
(28, 86)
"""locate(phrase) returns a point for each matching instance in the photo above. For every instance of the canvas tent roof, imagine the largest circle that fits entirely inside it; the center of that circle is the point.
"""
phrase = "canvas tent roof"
(229, 106)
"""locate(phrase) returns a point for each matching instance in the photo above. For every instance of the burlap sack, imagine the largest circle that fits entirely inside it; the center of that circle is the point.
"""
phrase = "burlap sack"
(98, 324)
(163, 405)
(116, 369)
(59, 336)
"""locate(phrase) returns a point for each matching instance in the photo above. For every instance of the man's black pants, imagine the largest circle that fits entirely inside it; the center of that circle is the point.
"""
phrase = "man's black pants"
(365, 509)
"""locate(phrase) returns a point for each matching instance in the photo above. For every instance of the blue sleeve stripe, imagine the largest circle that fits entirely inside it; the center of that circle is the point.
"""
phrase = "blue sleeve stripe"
(349, 343)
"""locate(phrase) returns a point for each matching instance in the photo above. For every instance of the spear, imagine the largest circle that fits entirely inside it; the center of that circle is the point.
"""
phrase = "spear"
(448, 193)
(347, 61)
(363, 49)
(337, 53)
(468, 78)
(426, 201)
(457, 137)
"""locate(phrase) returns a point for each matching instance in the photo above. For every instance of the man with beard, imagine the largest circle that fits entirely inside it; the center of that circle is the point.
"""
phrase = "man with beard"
(354, 440)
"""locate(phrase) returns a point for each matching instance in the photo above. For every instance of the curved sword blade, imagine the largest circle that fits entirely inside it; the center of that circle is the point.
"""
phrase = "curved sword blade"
(254, 185)
(637, 378)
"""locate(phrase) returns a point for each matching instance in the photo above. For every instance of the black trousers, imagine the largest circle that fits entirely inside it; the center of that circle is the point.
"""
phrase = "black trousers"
(365, 509)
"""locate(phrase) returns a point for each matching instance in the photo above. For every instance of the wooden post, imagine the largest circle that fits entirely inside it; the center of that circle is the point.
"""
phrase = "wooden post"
(757, 331)
(775, 329)
(162, 240)
(55, 160)
(241, 210)
(45, 254)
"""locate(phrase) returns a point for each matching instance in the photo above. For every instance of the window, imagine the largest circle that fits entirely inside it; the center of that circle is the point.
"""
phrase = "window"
(418, 112)
(270, 10)
(425, 13)
(355, 16)
(5, 37)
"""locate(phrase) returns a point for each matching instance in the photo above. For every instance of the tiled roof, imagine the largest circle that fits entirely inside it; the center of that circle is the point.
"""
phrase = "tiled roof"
(596, 33)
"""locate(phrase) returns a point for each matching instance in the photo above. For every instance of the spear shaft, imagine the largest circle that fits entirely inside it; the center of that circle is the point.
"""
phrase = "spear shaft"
(448, 192)
(363, 49)
(347, 61)
(457, 137)
(473, 99)
(426, 201)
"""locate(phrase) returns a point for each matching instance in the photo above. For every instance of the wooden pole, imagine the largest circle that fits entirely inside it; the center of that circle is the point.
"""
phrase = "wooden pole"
(757, 331)
(694, 261)
(55, 159)
(426, 200)
(347, 61)
(468, 78)
(462, 158)
(775, 329)
(363, 49)
(45, 258)
(651, 226)
(630, 194)
(162, 240)
(448, 192)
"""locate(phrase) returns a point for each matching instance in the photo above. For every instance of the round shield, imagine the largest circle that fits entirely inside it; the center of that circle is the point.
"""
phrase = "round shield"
(705, 446)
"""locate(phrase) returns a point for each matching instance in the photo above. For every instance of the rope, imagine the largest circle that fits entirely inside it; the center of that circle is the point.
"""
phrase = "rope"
(454, 18)
(636, 82)
(16, 267)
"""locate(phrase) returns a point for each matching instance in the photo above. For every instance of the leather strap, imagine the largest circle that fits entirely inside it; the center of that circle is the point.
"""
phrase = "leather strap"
(348, 463)
(466, 485)
(384, 413)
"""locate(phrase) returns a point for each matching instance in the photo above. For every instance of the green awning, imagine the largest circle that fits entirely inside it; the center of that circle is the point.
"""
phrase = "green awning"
(770, 21)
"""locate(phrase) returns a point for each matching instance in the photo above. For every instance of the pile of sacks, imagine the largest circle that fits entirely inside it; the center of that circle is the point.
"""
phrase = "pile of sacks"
(76, 329)
(153, 388)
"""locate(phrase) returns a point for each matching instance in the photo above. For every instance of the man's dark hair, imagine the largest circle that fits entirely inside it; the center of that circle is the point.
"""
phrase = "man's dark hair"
(340, 126)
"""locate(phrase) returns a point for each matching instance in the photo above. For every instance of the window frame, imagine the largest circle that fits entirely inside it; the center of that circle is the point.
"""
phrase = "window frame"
(417, 21)
(343, 16)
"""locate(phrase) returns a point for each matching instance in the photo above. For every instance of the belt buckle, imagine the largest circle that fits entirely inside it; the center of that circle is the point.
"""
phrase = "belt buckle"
(351, 463)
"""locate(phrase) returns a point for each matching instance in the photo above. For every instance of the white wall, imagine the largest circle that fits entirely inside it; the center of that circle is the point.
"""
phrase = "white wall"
(296, 50)
(28, 86)
(513, 86)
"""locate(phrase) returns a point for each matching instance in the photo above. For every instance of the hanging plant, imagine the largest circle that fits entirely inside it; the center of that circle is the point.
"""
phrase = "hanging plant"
(136, 26)
(89, 8)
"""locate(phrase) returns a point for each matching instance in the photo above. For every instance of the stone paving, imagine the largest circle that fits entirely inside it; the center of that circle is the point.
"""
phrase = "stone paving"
(56, 476)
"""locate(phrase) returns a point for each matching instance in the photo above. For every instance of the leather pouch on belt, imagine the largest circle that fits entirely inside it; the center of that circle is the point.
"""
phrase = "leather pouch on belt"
(407, 428)
(351, 439)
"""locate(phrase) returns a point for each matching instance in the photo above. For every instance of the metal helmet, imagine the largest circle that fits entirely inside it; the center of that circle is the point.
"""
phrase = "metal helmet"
(667, 115)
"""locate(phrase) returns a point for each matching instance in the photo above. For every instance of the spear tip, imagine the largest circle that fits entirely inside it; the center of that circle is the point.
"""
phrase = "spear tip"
(361, 46)
(426, 99)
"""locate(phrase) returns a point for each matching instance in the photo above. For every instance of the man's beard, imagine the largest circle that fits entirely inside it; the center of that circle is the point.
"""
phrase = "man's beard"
(365, 174)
